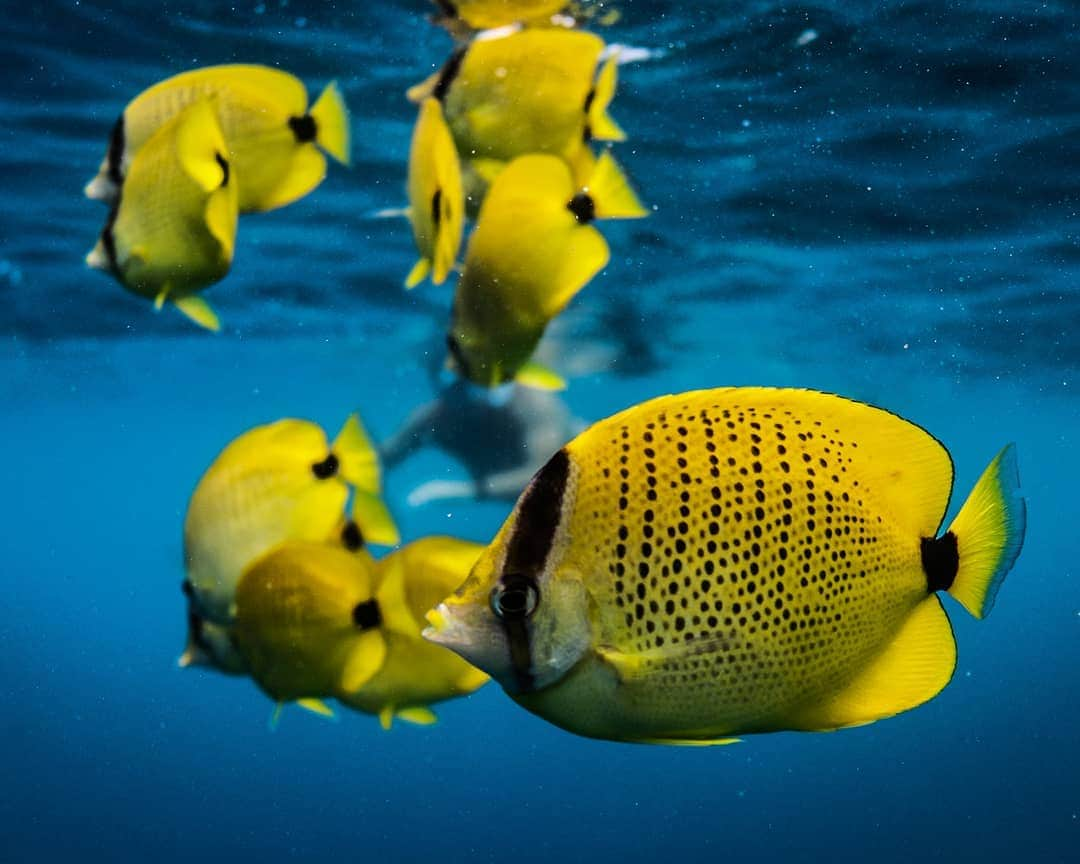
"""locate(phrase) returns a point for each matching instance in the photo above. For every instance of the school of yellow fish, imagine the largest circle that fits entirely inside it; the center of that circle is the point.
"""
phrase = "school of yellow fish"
(697, 567)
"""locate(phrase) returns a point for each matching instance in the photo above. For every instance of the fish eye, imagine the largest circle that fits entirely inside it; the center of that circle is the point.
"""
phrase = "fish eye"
(515, 598)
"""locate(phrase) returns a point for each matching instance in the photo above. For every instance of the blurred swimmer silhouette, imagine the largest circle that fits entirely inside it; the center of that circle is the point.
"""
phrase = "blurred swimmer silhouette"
(500, 438)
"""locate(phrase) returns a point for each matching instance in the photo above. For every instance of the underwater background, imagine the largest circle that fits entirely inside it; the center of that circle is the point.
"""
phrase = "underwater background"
(875, 199)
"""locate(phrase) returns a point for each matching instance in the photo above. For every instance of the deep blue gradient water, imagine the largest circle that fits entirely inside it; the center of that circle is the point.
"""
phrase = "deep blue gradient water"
(888, 211)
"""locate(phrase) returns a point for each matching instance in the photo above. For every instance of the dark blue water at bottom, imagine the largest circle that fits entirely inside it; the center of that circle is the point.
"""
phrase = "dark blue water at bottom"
(888, 214)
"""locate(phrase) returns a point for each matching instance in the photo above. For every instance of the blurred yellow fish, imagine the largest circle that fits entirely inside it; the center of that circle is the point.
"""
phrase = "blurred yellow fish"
(482, 14)
(532, 250)
(173, 231)
(273, 483)
(273, 138)
(531, 91)
(734, 561)
(307, 621)
(314, 622)
(414, 676)
(436, 200)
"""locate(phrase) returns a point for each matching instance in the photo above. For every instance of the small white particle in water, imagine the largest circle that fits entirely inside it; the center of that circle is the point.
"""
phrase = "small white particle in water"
(806, 37)
(906, 346)
(745, 124)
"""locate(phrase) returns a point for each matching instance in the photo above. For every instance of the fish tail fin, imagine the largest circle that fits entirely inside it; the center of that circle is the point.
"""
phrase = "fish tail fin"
(418, 273)
(611, 192)
(332, 123)
(601, 126)
(360, 467)
(986, 535)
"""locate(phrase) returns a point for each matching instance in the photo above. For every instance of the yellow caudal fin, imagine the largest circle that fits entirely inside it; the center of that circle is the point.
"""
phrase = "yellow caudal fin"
(418, 273)
(332, 123)
(374, 519)
(316, 706)
(307, 168)
(418, 716)
(612, 195)
(200, 146)
(221, 212)
(600, 124)
(199, 311)
(988, 533)
(912, 669)
(365, 659)
(539, 377)
(357, 456)
(585, 255)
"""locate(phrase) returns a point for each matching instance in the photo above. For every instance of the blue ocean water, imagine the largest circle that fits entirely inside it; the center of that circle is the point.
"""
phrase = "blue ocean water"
(874, 199)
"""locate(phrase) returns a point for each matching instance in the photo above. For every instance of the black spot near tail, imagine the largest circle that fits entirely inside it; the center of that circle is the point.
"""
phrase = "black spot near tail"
(366, 615)
(303, 128)
(224, 165)
(327, 468)
(351, 536)
(115, 155)
(436, 214)
(940, 561)
(583, 207)
(449, 72)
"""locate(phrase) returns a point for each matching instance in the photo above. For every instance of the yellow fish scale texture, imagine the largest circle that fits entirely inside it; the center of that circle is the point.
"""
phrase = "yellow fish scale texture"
(742, 551)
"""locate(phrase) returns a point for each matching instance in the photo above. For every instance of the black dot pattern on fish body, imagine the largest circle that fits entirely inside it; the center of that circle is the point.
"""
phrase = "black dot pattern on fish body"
(742, 542)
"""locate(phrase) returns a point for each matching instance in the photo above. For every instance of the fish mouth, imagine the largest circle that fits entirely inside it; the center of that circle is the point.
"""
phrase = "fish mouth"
(439, 625)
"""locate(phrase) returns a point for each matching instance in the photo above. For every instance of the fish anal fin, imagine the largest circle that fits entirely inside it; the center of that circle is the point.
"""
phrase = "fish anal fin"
(418, 716)
(911, 670)
(539, 377)
(316, 706)
(197, 310)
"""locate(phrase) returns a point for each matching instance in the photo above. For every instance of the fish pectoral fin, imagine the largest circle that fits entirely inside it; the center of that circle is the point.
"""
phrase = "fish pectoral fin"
(418, 273)
(316, 706)
(539, 377)
(196, 309)
(365, 660)
(912, 669)
(417, 716)
(637, 664)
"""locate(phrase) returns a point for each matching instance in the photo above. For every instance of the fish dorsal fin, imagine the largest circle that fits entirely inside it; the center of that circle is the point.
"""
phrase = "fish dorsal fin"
(198, 310)
(283, 90)
(912, 669)
(365, 659)
(306, 170)
(611, 192)
(200, 145)
(601, 125)
(418, 716)
(539, 377)
(332, 124)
